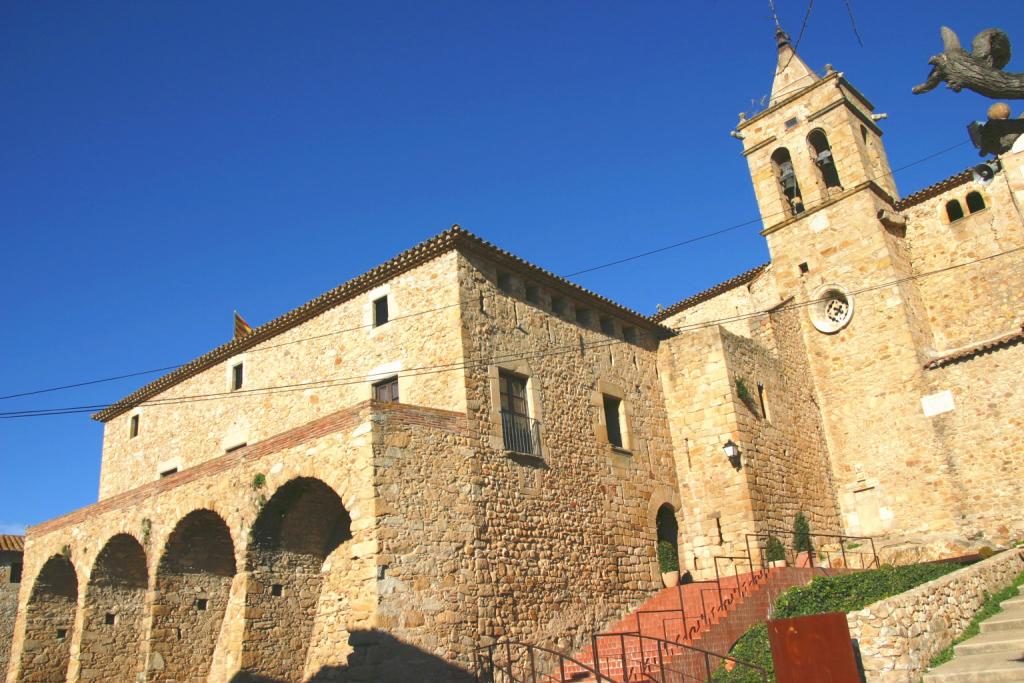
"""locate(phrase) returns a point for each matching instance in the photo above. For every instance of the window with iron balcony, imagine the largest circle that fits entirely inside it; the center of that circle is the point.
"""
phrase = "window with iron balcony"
(520, 432)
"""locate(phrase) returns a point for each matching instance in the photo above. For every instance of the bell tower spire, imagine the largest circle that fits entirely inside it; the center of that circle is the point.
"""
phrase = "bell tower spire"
(791, 73)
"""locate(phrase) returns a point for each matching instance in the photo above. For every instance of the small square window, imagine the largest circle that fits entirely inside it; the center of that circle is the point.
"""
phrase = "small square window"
(583, 316)
(608, 326)
(16, 569)
(133, 428)
(386, 390)
(505, 282)
(804, 268)
(62, 633)
(629, 334)
(201, 604)
(237, 376)
(167, 473)
(277, 590)
(559, 306)
(611, 419)
(380, 311)
(533, 294)
(792, 122)
(109, 619)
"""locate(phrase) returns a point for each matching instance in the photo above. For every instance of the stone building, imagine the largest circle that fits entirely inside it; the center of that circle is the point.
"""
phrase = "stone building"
(11, 551)
(459, 446)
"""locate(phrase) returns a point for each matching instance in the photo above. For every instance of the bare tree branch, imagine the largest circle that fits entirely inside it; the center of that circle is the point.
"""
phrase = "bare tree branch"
(979, 70)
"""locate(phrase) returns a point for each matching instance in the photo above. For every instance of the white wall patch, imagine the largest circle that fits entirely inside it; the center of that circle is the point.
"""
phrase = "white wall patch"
(936, 404)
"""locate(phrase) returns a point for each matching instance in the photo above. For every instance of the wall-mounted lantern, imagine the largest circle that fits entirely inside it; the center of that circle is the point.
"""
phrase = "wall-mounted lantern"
(732, 452)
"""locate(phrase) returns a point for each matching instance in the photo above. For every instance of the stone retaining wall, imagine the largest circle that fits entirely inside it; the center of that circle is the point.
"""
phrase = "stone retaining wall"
(900, 635)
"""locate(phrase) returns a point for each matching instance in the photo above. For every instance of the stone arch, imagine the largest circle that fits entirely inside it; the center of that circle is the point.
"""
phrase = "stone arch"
(49, 622)
(193, 582)
(114, 612)
(301, 524)
(785, 175)
(661, 497)
(824, 162)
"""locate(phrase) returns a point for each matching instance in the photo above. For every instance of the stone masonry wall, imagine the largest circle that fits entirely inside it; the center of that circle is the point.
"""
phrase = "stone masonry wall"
(335, 449)
(780, 432)
(897, 637)
(988, 299)
(339, 349)
(8, 606)
(567, 537)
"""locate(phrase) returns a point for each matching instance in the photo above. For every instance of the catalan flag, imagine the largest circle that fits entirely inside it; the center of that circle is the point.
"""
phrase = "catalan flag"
(242, 328)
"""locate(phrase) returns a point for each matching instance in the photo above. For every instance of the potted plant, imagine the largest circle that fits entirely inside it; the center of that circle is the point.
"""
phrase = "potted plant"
(668, 560)
(775, 552)
(802, 545)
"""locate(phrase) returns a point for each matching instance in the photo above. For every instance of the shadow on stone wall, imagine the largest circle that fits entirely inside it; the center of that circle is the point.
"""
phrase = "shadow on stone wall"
(378, 656)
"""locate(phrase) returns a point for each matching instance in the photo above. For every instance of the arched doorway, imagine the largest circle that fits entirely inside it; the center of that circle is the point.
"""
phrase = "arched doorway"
(668, 539)
(49, 621)
(193, 582)
(296, 530)
(113, 621)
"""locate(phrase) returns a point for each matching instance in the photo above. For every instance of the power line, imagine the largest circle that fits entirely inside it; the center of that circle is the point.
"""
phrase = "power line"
(484, 362)
(821, 198)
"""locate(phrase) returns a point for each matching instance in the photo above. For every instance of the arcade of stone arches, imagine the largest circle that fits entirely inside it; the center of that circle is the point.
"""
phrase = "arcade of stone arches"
(166, 627)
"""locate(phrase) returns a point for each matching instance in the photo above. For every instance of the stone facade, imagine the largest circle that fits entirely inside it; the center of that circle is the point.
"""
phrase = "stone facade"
(10, 581)
(271, 512)
(898, 637)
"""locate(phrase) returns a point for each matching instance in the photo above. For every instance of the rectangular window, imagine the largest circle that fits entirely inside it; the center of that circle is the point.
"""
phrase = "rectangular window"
(201, 604)
(583, 316)
(133, 429)
(277, 590)
(608, 326)
(762, 397)
(167, 473)
(559, 306)
(16, 572)
(611, 419)
(380, 311)
(520, 433)
(386, 390)
(533, 294)
(629, 334)
(237, 377)
(505, 282)
(109, 618)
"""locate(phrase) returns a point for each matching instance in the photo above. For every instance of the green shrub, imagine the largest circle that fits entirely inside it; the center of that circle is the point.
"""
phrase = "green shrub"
(844, 593)
(774, 550)
(985, 552)
(802, 534)
(668, 556)
(742, 391)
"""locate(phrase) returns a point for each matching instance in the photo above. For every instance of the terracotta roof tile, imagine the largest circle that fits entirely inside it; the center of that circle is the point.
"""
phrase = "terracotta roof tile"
(453, 238)
(976, 349)
(934, 190)
(710, 293)
(10, 543)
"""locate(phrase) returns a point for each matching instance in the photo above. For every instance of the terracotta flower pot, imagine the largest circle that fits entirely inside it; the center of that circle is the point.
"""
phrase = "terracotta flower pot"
(670, 579)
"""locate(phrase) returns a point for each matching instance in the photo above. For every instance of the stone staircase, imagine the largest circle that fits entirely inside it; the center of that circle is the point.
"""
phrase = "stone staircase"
(996, 654)
(694, 615)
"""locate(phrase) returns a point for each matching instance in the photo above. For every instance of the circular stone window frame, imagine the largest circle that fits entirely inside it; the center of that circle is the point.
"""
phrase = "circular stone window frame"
(823, 312)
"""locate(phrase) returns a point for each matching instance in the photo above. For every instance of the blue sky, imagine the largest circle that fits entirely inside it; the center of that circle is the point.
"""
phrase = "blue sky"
(166, 163)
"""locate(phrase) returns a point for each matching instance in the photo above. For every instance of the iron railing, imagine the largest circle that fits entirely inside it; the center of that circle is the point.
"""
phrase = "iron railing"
(828, 551)
(513, 662)
(522, 433)
(632, 657)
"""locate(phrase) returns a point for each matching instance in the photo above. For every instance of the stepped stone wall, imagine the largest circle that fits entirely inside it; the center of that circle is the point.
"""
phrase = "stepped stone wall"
(897, 637)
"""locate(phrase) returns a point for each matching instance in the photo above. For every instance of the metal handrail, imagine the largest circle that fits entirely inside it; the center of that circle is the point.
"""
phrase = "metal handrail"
(521, 433)
(660, 648)
(842, 540)
(535, 676)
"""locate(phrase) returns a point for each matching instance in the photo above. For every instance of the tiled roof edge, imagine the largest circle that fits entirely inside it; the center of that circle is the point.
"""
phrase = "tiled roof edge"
(10, 543)
(454, 237)
(710, 293)
(934, 190)
(976, 349)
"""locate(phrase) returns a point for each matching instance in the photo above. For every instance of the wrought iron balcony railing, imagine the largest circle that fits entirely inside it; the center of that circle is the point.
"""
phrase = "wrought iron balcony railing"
(522, 433)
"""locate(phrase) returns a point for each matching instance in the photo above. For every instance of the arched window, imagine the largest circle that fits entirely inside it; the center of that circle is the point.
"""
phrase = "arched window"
(786, 175)
(975, 202)
(821, 153)
(953, 210)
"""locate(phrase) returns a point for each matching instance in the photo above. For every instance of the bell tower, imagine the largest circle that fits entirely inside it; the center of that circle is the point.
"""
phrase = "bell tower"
(817, 139)
(828, 206)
